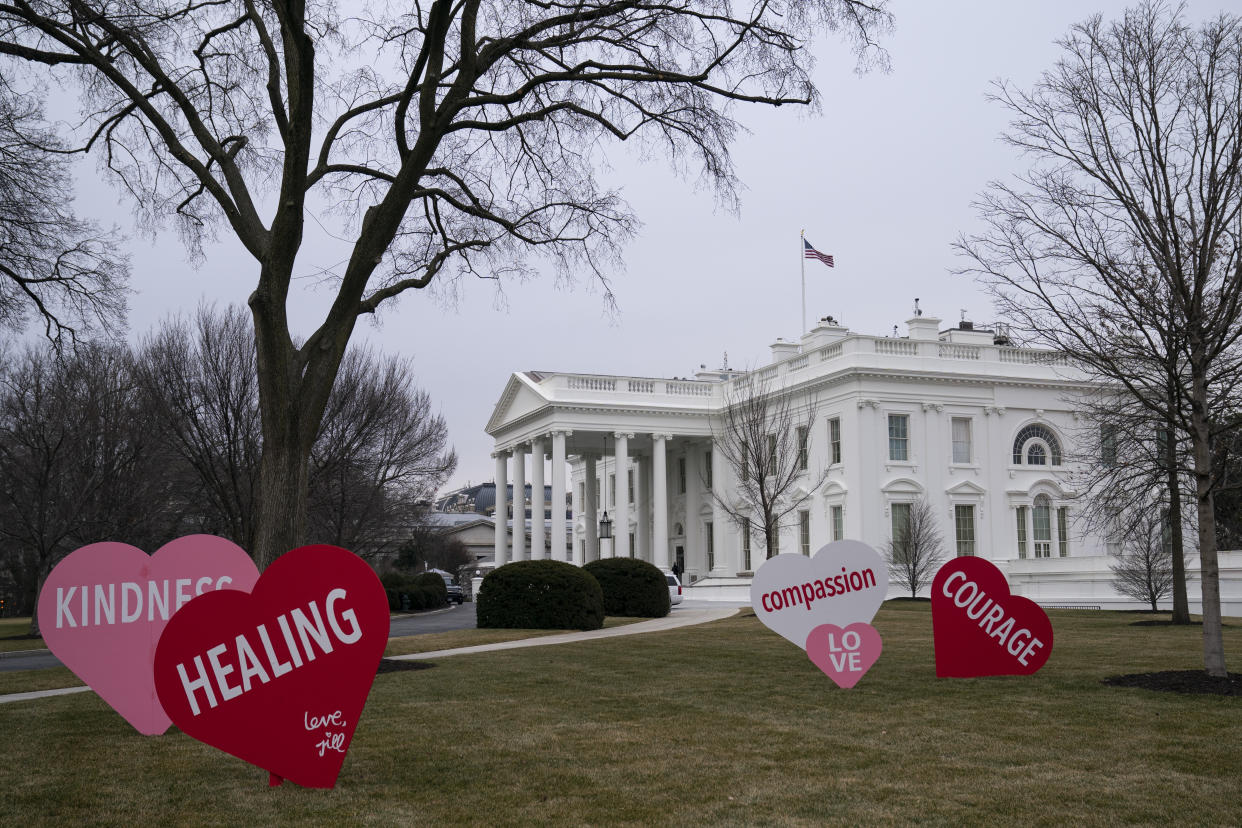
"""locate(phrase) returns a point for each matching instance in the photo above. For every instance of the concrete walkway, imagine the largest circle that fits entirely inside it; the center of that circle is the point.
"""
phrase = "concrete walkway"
(679, 618)
(682, 618)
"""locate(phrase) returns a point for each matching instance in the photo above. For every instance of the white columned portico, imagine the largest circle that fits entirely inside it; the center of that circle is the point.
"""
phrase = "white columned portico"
(500, 514)
(519, 503)
(659, 499)
(591, 516)
(621, 530)
(538, 501)
(558, 495)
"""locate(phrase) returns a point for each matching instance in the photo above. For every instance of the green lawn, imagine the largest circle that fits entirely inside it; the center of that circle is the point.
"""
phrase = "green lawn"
(10, 627)
(725, 723)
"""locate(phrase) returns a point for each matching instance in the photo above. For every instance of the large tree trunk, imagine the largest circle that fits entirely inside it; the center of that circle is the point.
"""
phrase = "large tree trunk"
(1209, 573)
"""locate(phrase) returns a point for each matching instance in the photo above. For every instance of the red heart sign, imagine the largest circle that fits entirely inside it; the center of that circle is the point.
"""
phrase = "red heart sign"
(278, 677)
(982, 630)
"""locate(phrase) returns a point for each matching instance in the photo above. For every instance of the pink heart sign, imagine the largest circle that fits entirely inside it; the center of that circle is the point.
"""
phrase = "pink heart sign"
(980, 629)
(845, 582)
(278, 677)
(103, 607)
(845, 655)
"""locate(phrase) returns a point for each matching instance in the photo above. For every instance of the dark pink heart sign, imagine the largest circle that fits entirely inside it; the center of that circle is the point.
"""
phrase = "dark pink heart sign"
(980, 629)
(103, 607)
(278, 677)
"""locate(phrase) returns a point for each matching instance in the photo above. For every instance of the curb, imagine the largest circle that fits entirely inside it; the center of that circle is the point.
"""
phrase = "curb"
(20, 653)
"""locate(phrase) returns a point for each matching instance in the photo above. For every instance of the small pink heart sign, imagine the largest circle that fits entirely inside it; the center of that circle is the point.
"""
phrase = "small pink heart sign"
(103, 608)
(845, 655)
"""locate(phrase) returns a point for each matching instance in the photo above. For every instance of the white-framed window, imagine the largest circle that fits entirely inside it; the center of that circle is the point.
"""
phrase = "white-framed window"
(838, 523)
(776, 543)
(834, 439)
(582, 496)
(964, 523)
(899, 437)
(1108, 444)
(631, 534)
(1063, 532)
(612, 484)
(629, 485)
(681, 475)
(1021, 510)
(900, 513)
(804, 532)
(707, 470)
(961, 440)
(802, 448)
(771, 454)
(746, 544)
(1041, 526)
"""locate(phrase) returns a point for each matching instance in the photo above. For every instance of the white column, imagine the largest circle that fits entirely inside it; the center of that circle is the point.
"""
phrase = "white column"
(519, 503)
(621, 530)
(696, 547)
(591, 518)
(500, 515)
(659, 499)
(558, 495)
(642, 533)
(538, 502)
(719, 516)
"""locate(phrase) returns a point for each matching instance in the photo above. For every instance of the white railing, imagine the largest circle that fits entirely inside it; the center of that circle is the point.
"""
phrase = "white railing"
(955, 351)
(800, 362)
(640, 386)
(896, 347)
(1027, 357)
(591, 384)
(688, 389)
(830, 352)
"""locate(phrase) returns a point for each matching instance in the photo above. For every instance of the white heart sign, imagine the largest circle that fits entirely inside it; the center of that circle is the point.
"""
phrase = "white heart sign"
(844, 584)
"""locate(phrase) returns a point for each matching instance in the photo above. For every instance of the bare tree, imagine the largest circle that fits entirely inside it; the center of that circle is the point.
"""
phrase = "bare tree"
(202, 381)
(78, 462)
(381, 452)
(455, 137)
(1121, 245)
(1132, 452)
(381, 449)
(764, 442)
(1143, 566)
(916, 550)
(64, 269)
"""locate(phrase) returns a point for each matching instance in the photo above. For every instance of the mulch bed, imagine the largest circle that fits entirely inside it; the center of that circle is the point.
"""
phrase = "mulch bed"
(388, 665)
(1181, 681)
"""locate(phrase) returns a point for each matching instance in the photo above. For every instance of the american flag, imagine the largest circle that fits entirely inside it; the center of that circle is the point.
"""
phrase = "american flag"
(812, 253)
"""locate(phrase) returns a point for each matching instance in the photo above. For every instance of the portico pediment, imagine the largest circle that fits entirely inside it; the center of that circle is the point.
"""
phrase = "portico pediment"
(521, 396)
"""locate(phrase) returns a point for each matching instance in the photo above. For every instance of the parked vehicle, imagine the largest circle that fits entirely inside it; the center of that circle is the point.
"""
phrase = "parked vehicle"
(674, 588)
(455, 593)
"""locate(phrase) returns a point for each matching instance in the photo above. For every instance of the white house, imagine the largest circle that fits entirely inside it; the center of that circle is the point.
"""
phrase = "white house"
(982, 430)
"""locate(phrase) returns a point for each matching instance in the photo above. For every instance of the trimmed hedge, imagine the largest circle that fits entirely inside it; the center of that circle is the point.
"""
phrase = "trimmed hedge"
(540, 595)
(414, 592)
(632, 588)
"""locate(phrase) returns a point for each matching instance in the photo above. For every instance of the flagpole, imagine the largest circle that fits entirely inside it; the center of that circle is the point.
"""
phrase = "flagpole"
(802, 258)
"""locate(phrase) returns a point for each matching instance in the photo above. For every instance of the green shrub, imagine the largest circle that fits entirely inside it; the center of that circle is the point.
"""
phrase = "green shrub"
(540, 595)
(414, 592)
(435, 583)
(632, 588)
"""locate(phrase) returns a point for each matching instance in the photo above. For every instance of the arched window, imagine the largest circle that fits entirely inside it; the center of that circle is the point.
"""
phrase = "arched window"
(1036, 445)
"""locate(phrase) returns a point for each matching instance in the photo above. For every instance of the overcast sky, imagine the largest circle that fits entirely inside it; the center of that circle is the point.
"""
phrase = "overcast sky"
(883, 180)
